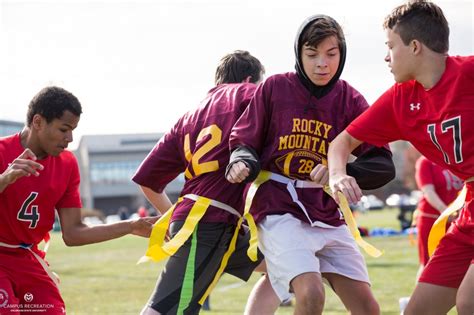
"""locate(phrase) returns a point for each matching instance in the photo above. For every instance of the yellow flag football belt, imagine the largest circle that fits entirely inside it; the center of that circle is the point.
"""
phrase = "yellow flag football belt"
(343, 206)
(438, 230)
(158, 250)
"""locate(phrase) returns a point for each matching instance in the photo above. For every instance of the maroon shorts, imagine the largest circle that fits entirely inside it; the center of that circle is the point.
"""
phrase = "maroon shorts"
(25, 286)
(451, 259)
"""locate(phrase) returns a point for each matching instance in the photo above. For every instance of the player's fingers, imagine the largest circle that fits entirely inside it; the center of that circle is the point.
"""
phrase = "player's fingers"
(152, 220)
(27, 154)
(325, 179)
(335, 195)
(349, 193)
(18, 173)
(233, 175)
(315, 173)
(352, 192)
(357, 192)
(320, 174)
(142, 227)
(341, 188)
(317, 176)
(229, 178)
(30, 162)
(244, 171)
(29, 166)
(241, 172)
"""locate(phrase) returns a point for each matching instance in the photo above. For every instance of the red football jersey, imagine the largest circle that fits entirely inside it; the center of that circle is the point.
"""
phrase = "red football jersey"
(446, 184)
(439, 122)
(27, 206)
(198, 146)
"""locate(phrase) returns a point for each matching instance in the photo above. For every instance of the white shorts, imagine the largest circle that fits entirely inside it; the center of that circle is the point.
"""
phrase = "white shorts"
(292, 247)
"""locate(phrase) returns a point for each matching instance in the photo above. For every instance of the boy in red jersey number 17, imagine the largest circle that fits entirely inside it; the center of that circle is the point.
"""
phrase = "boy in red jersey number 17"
(37, 176)
(431, 105)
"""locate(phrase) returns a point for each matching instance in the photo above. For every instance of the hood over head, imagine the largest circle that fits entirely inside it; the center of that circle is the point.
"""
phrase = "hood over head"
(315, 90)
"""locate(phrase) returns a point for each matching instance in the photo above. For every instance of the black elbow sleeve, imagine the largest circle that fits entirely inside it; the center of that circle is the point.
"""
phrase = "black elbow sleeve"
(372, 169)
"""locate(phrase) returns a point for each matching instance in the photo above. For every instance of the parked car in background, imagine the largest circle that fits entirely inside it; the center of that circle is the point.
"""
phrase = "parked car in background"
(369, 202)
(407, 205)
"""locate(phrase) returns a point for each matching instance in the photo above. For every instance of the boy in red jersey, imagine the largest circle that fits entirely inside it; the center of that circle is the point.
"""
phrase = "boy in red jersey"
(38, 176)
(439, 187)
(198, 146)
(431, 105)
(287, 127)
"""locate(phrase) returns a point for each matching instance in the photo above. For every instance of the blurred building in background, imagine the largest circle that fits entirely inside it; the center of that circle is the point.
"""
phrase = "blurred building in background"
(107, 164)
(8, 127)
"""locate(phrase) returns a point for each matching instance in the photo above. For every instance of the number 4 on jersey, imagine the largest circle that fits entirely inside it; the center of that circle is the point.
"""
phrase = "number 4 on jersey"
(28, 212)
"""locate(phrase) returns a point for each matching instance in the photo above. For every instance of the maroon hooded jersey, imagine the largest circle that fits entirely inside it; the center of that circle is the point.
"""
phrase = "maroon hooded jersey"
(290, 129)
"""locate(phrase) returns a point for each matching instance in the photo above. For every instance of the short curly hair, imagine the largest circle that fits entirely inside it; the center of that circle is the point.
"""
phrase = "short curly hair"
(51, 103)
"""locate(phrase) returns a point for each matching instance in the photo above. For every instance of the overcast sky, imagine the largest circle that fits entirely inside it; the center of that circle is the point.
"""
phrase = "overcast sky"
(136, 66)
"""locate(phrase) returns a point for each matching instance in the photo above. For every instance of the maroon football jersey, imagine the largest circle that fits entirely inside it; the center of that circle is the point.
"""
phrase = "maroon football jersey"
(198, 146)
(291, 132)
(27, 206)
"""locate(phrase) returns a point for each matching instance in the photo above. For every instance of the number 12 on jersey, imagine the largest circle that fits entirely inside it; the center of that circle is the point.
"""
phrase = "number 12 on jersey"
(199, 167)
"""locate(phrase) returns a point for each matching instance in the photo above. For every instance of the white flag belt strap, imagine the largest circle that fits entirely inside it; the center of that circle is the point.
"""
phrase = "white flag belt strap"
(216, 204)
(428, 215)
(290, 186)
(40, 260)
(296, 182)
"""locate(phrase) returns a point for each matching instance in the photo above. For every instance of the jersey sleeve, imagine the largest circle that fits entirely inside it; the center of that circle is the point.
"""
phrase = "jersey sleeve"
(378, 124)
(424, 173)
(71, 198)
(358, 107)
(162, 164)
(250, 128)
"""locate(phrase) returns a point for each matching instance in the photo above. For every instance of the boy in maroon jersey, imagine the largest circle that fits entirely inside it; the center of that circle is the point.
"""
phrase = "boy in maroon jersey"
(431, 105)
(38, 175)
(288, 127)
(198, 146)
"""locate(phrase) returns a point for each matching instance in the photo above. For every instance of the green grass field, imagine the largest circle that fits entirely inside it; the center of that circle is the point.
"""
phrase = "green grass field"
(104, 278)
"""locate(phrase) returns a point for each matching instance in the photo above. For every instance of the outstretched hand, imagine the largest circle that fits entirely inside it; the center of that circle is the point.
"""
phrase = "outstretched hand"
(24, 165)
(143, 226)
(347, 185)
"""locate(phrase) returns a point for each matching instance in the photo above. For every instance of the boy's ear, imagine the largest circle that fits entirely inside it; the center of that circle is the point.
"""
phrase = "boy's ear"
(416, 46)
(37, 121)
(247, 79)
